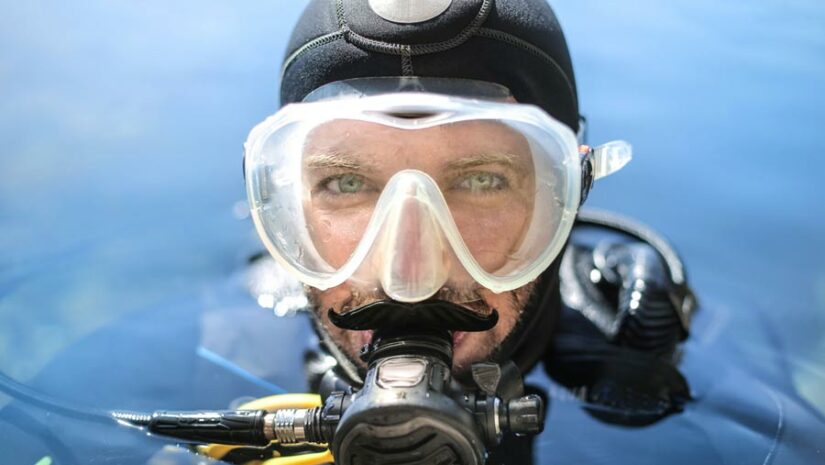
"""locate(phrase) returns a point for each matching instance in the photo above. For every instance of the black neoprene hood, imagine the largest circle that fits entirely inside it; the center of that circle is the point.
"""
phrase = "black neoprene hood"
(516, 43)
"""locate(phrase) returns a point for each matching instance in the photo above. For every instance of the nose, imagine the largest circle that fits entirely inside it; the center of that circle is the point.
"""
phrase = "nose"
(415, 263)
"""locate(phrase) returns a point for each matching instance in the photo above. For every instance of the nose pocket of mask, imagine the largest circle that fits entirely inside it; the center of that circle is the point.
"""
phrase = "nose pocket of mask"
(414, 264)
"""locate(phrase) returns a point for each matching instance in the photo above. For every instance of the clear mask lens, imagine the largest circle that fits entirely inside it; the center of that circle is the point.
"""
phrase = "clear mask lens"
(409, 193)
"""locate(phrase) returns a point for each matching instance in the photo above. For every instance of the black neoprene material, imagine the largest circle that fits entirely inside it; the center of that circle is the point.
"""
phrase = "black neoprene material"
(529, 341)
(515, 43)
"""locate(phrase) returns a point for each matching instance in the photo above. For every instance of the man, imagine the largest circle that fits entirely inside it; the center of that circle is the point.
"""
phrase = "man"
(510, 193)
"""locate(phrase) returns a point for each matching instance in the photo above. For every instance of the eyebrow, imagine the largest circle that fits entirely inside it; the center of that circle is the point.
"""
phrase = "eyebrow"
(506, 159)
(340, 160)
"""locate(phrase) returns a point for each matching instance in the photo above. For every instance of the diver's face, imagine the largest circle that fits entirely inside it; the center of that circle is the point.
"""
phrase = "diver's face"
(483, 169)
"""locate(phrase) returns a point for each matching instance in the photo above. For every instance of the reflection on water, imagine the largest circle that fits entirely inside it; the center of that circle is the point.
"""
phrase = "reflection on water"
(122, 127)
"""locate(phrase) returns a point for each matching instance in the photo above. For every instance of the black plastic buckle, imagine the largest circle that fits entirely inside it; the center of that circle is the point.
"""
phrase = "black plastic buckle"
(587, 172)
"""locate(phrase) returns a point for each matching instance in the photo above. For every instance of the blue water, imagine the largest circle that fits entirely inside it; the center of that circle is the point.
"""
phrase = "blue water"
(120, 176)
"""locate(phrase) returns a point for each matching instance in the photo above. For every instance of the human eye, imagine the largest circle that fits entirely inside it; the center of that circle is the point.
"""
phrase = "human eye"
(480, 182)
(342, 184)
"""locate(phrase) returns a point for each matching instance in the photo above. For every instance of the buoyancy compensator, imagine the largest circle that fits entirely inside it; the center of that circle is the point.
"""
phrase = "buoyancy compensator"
(627, 308)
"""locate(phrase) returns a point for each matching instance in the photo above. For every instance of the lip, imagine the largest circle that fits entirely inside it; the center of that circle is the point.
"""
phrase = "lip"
(366, 337)
(458, 338)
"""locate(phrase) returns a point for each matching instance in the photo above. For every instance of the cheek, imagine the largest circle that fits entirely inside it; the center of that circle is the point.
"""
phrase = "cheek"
(336, 234)
(509, 306)
(479, 346)
(332, 298)
(349, 341)
(493, 236)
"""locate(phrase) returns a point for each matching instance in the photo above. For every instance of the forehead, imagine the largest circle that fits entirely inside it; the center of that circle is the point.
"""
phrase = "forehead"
(352, 137)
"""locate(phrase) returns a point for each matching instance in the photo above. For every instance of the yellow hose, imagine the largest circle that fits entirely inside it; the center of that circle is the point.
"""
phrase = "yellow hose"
(281, 401)
(316, 458)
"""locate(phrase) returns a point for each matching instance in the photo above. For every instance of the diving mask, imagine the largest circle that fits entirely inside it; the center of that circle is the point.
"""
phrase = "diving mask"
(407, 192)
